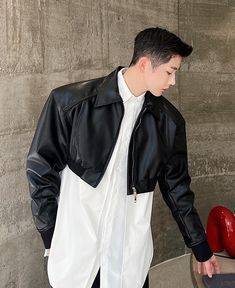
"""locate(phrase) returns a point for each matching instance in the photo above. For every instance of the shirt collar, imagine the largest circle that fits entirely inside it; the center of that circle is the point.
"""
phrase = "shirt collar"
(124, 89)
(108, 93)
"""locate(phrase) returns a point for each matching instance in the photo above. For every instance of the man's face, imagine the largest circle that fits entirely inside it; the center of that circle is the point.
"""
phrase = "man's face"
(162, 76)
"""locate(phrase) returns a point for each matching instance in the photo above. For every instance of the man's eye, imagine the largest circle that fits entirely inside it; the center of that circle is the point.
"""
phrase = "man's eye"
(168, 73)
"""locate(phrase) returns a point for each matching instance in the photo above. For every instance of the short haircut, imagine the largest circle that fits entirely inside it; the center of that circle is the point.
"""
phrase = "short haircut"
(159, 45)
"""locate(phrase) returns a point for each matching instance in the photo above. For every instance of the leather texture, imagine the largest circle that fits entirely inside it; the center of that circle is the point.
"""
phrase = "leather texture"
(79, 125)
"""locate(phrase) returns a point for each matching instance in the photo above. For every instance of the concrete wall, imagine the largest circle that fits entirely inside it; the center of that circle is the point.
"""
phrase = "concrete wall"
(45, 44)
(205, 96)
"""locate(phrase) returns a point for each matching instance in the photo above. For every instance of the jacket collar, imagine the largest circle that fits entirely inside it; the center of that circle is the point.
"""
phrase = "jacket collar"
(107, 93)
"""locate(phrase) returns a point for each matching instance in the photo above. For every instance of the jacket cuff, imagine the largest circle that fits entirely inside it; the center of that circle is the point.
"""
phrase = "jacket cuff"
(202, 251)
(47, 237)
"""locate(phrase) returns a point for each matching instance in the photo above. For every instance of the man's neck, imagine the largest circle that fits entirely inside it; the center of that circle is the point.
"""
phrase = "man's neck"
(134, 81)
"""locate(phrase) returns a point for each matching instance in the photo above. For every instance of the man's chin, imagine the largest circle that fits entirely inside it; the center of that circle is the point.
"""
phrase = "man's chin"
(157, 94)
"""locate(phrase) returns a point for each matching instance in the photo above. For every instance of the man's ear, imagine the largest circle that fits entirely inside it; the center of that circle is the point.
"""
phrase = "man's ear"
(143, 63)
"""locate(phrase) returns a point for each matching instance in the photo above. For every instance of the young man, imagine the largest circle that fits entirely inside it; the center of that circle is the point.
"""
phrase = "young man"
(100, 148)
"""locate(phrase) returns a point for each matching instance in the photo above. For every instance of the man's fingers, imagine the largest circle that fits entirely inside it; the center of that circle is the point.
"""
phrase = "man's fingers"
(204, 270)
(216, 265)
(209, 269)
(199, 267)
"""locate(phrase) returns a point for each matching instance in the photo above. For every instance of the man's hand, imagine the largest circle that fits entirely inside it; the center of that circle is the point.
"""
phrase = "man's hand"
(209, 267)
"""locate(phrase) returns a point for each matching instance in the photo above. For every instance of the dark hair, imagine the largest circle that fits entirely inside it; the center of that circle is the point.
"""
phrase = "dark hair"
(160, 45)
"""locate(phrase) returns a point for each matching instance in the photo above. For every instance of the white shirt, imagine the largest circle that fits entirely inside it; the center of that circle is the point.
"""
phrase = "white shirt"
(103, 226)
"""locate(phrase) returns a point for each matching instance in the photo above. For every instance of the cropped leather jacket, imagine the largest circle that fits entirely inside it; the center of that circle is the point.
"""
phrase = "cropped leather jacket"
(79, 126)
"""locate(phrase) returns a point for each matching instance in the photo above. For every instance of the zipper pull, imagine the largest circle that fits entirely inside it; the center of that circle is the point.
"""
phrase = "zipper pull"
(135, 193)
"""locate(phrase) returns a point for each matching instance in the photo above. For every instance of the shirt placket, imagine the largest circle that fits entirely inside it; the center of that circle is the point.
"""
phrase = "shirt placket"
(114, 222)
(112, 187)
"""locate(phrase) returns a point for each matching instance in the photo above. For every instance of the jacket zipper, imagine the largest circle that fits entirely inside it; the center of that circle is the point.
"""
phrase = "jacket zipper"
(133, 184)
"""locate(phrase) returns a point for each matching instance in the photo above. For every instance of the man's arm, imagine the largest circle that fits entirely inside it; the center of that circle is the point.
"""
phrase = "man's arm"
(174, 183)
(47, 156)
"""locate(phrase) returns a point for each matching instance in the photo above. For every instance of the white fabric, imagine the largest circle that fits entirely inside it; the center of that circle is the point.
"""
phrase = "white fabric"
(47, 252)
(103, 226)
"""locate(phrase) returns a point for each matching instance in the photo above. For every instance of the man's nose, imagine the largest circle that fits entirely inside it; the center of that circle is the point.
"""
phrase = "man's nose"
(172, 80)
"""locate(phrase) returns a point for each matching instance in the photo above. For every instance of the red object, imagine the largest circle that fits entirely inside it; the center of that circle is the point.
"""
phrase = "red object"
(220, 230)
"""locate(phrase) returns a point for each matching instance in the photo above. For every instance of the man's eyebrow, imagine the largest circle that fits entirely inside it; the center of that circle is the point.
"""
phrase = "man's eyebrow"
(175, 68)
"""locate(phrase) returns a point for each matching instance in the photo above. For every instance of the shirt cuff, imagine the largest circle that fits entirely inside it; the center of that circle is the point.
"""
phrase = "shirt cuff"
(47, 252)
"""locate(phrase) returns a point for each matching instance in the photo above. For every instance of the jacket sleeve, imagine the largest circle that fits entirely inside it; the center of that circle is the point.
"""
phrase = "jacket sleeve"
(47, 156)
(174, 183)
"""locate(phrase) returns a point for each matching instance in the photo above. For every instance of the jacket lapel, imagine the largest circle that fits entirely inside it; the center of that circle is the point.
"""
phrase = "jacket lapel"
(107, 91)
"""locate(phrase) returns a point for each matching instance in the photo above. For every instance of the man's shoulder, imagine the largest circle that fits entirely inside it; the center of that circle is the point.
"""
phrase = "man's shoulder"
(171, 111)
(71, 94)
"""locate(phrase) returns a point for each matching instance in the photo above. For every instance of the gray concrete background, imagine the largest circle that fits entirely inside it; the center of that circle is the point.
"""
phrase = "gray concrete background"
(45, 44)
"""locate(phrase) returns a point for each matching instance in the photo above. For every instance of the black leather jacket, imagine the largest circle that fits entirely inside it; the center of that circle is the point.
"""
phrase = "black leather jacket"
(79, 126)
